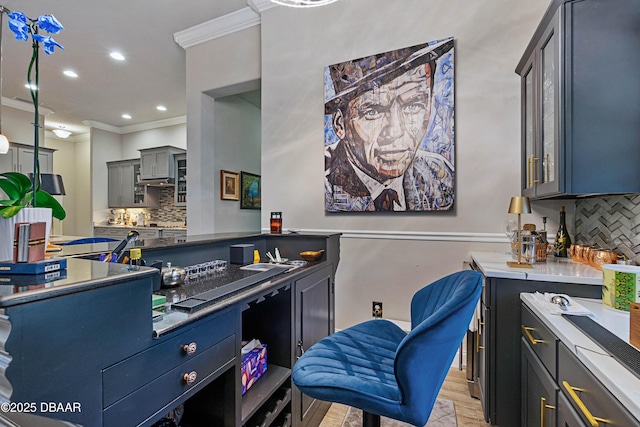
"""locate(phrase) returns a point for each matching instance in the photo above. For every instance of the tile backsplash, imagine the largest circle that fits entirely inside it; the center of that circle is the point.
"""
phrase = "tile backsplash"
(168, 212)
(611, 222)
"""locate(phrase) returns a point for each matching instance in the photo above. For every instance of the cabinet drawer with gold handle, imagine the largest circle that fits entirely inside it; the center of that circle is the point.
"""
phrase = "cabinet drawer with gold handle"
(595, 404)
(541, 339)
(175, 385)
(124, 377)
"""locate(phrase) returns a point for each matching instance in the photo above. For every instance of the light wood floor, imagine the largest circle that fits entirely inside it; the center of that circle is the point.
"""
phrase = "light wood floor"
(468, 409)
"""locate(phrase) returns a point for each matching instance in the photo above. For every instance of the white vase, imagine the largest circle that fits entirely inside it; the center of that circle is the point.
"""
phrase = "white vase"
(8, 228)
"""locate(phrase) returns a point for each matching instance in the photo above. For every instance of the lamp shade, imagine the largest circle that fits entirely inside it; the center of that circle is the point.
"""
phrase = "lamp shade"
(51, 183)
(520, 205)
(4, 144)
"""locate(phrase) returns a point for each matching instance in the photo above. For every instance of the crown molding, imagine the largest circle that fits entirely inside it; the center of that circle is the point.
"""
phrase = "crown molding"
(219, 27)
(138, 127)
(261, 5)
(25, 106)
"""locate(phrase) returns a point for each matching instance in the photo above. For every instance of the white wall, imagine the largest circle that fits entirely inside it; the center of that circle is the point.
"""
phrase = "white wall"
(175, 136)
(105, 147)
(237, 136)
(490, 37)
(384, 257)
(218, 68)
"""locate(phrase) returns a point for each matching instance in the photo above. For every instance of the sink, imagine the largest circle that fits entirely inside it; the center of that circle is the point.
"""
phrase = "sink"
(263, 266)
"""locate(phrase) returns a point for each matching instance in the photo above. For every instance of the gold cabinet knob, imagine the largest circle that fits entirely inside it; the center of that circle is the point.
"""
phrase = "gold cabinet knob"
(190, 377)
(190, 348)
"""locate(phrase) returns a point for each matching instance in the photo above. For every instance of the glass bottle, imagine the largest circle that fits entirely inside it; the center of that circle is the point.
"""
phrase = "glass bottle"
(276, 222)
(563, 241)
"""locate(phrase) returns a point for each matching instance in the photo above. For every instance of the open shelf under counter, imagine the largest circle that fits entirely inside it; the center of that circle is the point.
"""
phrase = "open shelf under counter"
(264, 389)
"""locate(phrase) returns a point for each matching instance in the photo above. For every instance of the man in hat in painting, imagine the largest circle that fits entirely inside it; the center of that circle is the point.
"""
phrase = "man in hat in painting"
(380, 110)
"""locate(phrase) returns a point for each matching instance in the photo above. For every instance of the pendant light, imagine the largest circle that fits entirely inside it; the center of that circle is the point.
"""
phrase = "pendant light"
(303, 3)
(4, 142)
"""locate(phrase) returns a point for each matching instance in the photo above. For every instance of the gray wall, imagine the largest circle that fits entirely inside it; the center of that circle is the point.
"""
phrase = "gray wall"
(384, 257)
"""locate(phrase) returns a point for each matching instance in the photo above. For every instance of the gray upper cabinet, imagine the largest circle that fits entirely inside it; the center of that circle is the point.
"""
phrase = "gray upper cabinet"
(123, 188)
(20, 159)
(579, 122)
(158, 162)
(181, 180)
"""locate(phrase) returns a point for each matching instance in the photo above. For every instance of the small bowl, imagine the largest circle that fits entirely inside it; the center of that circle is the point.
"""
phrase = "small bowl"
(311, 255)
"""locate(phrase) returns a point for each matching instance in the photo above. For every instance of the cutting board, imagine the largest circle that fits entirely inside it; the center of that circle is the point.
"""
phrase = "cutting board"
(634, 327)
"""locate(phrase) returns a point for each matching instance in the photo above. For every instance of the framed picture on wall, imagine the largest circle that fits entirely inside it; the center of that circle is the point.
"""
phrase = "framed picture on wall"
(229, 185)
(250, 191)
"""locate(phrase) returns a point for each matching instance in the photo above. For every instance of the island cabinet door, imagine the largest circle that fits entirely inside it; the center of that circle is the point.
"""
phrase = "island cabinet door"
(539, 391)
(313, 313)
(60, 345)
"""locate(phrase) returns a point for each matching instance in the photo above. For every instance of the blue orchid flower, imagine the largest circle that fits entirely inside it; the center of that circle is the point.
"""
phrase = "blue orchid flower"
(18, 25)
(50, 24)
(48, 43)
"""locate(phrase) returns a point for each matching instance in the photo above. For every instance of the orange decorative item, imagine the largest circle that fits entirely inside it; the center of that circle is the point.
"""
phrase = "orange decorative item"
(311, 255)
(599, 257)
(276, 222)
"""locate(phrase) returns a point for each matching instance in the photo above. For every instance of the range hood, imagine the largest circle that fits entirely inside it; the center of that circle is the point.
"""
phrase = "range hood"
(160, 182)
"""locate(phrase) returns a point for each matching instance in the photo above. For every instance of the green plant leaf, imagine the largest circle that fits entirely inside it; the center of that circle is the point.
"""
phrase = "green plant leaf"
(10, 189)
(20, 180)
(10, 211)
(46, 200)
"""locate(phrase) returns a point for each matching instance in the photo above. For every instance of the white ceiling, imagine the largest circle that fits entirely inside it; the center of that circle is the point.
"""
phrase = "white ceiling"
(142, 30)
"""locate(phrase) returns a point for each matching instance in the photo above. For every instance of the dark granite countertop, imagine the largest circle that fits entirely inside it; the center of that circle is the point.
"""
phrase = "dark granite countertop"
(172, 318)
(177, 242)
(80, 275)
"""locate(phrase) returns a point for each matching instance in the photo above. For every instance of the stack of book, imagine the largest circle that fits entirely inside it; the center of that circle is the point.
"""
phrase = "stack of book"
(29, 241)
(48, 265)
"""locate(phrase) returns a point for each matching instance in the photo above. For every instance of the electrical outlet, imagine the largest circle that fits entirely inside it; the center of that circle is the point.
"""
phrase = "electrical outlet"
(376, 309)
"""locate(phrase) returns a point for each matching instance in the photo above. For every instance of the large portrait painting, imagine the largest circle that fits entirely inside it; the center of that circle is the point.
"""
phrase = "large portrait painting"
(388, 131)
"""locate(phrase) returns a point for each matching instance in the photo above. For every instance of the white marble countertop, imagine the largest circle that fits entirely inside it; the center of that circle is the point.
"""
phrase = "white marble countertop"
(494, 264)
(622, 383)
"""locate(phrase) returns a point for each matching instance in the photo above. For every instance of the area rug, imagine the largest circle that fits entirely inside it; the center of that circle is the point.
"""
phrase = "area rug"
(442, 415)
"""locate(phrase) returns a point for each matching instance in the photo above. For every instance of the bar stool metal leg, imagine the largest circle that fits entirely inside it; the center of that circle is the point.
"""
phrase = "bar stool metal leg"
(370, 420)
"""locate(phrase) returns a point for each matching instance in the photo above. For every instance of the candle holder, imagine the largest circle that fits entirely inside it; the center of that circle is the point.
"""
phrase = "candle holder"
(519, 205)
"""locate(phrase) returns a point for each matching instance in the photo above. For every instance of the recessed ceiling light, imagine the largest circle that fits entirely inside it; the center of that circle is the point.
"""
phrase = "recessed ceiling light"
(117, 55)
(161, 108)
(70, 73)
(126, 116)
(32, 86)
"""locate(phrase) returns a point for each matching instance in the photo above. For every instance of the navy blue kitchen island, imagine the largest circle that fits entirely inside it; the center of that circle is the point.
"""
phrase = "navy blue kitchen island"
(85, 348)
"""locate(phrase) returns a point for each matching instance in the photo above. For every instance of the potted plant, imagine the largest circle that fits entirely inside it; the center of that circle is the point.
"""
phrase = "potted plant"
(21, 191)
(20, 206)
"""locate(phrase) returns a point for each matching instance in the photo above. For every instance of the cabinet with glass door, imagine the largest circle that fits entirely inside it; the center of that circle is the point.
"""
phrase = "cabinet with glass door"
(181, 180)
(576, 105)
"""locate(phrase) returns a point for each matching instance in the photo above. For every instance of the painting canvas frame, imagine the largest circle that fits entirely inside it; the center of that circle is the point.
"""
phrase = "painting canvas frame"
(250, 191)
(389, 131)
(229, 185)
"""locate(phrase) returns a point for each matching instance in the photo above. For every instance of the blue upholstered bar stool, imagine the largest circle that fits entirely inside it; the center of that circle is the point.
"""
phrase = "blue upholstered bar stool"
(377, 367)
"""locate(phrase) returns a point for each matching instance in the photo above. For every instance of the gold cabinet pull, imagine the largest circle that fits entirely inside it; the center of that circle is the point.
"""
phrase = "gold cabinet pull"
(543, 411)
(583, 408)
(530, 337)
(190, 348)
(190, 377)
(533, 170)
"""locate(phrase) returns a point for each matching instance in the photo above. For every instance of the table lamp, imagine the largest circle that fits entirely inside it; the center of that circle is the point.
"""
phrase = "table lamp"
(519, 205)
